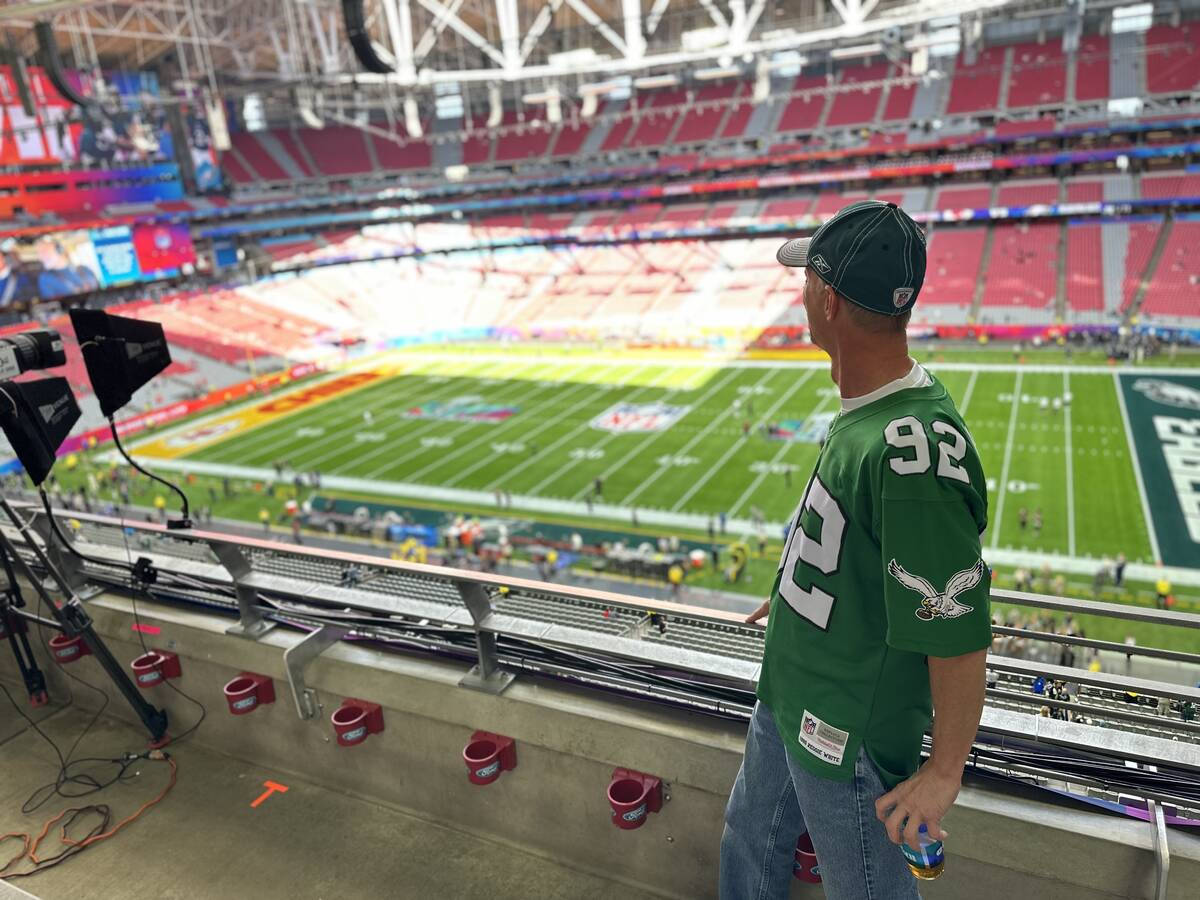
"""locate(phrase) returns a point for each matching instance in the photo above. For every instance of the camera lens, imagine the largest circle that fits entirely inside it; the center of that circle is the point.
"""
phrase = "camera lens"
(40, 349)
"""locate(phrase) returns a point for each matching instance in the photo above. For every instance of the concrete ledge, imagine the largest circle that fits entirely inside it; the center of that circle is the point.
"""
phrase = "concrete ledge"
(568, 741)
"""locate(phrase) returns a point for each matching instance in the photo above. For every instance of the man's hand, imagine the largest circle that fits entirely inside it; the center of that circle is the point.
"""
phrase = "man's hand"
(761, 612)
(922, 799)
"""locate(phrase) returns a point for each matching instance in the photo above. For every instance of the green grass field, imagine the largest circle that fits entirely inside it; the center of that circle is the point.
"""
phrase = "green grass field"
(1073, 464)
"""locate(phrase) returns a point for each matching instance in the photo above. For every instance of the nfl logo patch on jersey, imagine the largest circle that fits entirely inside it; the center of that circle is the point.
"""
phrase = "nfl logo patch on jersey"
(902, 296)
(809, 725)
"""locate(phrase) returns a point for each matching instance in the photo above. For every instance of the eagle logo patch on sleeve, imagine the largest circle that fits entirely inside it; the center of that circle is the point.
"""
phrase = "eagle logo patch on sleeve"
(935, 604)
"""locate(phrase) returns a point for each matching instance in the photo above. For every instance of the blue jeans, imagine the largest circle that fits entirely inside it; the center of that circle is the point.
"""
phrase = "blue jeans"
(774, 801)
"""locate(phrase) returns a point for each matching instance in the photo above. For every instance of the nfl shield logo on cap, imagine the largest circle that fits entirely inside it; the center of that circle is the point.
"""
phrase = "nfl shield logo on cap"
(871, 252)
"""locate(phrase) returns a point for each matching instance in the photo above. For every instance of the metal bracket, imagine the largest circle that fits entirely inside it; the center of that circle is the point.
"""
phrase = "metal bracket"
(251, 622)
(1162, 850)
(486, 675)
(296, 660)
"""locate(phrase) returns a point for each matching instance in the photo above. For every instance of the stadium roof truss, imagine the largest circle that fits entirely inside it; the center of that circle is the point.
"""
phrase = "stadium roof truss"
(238, 43)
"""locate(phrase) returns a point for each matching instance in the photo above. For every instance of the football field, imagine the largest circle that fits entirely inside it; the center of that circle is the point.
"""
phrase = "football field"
(675, 441)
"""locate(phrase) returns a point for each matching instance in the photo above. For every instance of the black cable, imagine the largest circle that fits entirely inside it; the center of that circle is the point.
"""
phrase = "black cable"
(69, 546)
(186, 521)
(134, 588)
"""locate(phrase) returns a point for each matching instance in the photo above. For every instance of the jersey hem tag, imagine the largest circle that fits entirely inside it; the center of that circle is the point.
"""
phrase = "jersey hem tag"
(822, 740)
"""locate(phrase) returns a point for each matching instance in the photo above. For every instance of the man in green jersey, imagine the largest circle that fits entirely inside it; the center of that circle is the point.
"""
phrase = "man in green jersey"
(879, 612)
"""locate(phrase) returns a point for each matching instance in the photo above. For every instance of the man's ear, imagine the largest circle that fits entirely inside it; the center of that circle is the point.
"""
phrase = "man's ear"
(832, 303)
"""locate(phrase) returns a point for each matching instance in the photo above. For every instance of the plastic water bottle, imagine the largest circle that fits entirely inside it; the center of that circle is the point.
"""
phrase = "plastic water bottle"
(927, 861)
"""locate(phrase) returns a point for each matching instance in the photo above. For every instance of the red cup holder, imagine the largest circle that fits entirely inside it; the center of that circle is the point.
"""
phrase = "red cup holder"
(488, 755)
(633, 796)
(355, 720)
(805, 867)
(249, 691)
(155, 667)
(67, 649)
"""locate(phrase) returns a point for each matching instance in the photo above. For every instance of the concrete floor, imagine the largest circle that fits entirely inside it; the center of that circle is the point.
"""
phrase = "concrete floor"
(206, 841)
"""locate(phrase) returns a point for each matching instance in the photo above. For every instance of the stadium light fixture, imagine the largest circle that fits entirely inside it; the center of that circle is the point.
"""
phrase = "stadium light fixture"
(495, 106)
(1127, 19)
(704, 38)
(718, 72)
(653, 82)
(856, 52)
(412, 118)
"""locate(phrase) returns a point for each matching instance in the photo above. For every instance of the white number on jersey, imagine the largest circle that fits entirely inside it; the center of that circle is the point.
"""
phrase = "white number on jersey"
(908, 433)
(824, 554)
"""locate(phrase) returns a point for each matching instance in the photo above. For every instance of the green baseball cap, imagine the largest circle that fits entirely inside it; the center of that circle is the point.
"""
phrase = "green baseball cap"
(871, 252)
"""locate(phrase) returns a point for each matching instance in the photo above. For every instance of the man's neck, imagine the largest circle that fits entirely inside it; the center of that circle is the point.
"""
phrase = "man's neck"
(862, 371)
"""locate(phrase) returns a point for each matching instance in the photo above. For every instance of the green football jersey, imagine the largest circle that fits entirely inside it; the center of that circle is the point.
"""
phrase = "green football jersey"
(881, 569)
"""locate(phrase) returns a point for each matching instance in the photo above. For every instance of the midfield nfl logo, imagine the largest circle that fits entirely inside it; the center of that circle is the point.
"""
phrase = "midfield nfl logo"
(625, 418)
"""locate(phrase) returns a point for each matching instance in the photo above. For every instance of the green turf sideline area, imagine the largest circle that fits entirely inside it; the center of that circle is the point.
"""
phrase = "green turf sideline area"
(680, 455)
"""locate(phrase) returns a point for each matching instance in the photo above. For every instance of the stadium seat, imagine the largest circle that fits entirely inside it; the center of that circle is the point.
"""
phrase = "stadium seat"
(803, 112)
(706, 112)
(257, 157)
(337, 150)
(1172, 64)
(1092, 68)
(1038, 76)
(857, 106)
(1173, 291)
(977, 88)
(1085, 272)
(952, 267)
(1022, 266)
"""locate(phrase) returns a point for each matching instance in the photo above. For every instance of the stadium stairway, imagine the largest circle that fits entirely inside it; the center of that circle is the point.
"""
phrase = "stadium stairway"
(446, 153)
(270, 143)
(1127, 75)
(1156, 256)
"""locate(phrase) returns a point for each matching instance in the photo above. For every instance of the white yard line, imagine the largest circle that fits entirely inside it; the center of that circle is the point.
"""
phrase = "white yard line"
(1137, 470)
(741, 441)
(749, 492)
(682, 451)
(570, 435)
(642, 445)
(512, 385)
(1070, 468)
(339, 435)
(966, 401)
(334, 424)
(489, 459)
(1008, 449)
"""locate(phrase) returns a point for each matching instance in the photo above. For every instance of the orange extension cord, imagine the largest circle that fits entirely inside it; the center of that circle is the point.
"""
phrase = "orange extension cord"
(31, 844)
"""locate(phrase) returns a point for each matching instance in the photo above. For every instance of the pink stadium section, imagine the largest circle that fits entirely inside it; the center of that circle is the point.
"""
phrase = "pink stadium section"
(235, 169)
(1092, 68)
(570, 139)
(1085, 271)
(257, 156)
(288, 140)
(337, 150)
(657, 117)
(1085, 191)
(412, 154)
(1027, 194)
(1167, 186)
(952, 268)
(706, 113)
(522, 140)
(1174, 290)
(802, 113)
(1039, 74)
(1172, 63)
(617, 132)
(1022, 266)
(858, 106)
(977, 88)
(898, 106)
(958, 198)
(1142, 238)
(477, 148)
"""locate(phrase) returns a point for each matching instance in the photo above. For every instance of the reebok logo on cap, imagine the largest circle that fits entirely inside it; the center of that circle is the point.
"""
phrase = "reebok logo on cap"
(871, 252)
